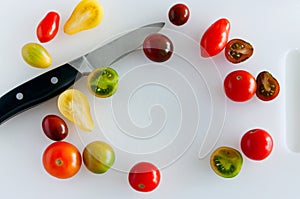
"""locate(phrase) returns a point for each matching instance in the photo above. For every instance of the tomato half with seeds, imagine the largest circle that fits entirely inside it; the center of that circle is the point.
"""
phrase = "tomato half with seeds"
(238, 50)
(267, 86)
(144, 177)
(239, 86)
(48, 27)
(226, 162)
(257, 144)
(215, 38)
(62, 160)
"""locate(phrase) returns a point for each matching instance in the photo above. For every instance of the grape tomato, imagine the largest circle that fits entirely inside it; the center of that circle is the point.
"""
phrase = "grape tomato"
(54, 127)
(215, 38)
(48, 27)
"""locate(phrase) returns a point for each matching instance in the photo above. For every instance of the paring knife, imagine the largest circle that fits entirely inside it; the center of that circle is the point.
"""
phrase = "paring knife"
(55, 81)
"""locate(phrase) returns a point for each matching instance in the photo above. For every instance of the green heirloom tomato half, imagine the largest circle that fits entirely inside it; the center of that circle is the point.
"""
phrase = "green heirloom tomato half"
(103, 82)
(226, 162)
(98, 157)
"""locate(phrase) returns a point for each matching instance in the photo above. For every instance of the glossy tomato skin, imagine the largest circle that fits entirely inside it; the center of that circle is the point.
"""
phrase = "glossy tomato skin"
(158, 47)
(257, 144)
(215, 38)
(238, 50)
(179, 14)
(239, 86)
(48, 27)
(144, 177)
(268, 87)
(62, 160)
(55, 128)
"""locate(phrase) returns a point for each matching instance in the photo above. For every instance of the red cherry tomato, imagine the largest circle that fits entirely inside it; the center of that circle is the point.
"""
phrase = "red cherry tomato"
(179, 14)
(257, 144)
(54, 127)
(215, 38)
(62, 160)
(48, 27)
(144, 177)
(239, 86)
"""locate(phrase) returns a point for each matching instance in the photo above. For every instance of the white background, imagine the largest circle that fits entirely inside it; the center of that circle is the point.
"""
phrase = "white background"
(271, 26)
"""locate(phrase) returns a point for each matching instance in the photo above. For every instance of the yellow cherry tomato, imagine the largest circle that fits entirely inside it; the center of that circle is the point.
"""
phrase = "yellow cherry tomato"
(74, 105)
(86, 15)
(36, 55)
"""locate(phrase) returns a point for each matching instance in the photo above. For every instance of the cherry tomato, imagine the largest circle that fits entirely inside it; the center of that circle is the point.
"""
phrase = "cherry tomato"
(36, 55)
(239, 86)
(144, 177)
(238, 50)
(215, 38)
(54, 127)
(48, 27)
(103, 82)
(158, 47)
(226, 162)
(267, 86)
(179, 14)
(62, 160)
(257, 144)
(98, 157)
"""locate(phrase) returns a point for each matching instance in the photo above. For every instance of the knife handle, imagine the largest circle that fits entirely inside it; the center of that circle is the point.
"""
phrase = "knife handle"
(37, 90)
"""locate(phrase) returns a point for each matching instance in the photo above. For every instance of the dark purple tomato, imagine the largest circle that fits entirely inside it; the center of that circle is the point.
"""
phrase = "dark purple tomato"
(54, 127)
(179, 14)
(158, 47)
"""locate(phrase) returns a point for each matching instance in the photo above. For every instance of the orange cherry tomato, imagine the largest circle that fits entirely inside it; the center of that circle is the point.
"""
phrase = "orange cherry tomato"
(62, 160)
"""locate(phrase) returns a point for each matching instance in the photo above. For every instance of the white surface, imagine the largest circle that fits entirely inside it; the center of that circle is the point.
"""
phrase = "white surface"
(271, 26)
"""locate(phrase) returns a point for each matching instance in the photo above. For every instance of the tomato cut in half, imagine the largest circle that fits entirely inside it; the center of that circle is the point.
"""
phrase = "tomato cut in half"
(215, 38)
(144, 177)
(62, 160)
(239, 86)
(257, 144)
(267, 86)
(226, 162)
(238, 50)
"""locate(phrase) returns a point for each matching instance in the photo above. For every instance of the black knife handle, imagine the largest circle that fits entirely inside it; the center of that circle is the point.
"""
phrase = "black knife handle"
(37, 90)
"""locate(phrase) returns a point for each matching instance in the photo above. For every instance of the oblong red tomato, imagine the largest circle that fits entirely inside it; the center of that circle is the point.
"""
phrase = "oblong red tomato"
(48, 27)
(215, 38)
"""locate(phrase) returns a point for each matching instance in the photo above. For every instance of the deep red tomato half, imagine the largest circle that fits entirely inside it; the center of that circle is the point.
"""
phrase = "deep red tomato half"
(144, 177)
(48, 27)
(215, 38)
(257, 144)
(62, 160)
(239, 86)
(267, 86)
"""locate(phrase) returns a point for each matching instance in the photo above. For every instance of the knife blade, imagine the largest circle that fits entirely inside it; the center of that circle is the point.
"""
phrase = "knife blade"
(55, 81)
